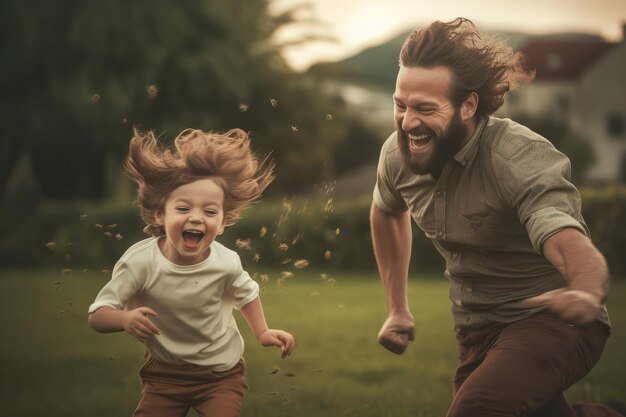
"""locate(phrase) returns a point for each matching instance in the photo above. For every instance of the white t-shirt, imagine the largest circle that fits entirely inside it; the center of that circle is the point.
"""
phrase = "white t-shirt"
(194, 302)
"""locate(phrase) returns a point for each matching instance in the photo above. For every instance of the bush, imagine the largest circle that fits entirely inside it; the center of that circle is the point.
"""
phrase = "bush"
(276, 234)
(603, 210)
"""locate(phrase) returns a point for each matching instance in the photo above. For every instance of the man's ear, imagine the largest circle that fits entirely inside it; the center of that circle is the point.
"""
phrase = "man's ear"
(469, 106)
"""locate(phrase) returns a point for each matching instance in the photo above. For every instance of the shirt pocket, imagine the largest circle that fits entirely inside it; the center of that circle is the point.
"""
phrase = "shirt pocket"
(484, 231)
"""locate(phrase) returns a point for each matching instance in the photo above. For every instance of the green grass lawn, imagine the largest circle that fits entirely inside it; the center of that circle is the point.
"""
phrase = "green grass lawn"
(53, 364)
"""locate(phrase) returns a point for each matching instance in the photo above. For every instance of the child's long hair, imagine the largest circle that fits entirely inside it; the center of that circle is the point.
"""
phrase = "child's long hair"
(224, 157)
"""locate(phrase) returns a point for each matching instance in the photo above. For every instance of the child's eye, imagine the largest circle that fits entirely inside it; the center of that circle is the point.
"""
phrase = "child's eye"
(182, 209)
(211, 212)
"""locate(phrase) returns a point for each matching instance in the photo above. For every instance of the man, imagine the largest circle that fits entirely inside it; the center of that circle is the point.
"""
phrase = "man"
(527, 285)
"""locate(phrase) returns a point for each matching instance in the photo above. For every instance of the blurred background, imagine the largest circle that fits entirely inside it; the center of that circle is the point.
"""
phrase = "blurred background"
(312, 83)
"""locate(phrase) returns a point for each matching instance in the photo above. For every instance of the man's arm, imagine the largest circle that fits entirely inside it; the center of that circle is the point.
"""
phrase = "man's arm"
(391, 239)
(586, 272)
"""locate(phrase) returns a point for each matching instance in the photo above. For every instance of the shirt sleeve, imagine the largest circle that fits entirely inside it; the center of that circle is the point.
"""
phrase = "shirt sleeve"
(122, 286)
(536, 181)
(385, 195)
(242, 287)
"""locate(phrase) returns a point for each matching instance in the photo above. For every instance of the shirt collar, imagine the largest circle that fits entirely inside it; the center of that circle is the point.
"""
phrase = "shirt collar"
(467, 152)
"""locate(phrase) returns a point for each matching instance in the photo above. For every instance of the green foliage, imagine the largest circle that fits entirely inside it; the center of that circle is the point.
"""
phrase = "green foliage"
(309, 228)
(78, 74)
(603, 210)
(20, 209)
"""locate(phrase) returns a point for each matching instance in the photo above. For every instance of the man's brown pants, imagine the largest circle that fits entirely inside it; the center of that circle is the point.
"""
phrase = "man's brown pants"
(169, 390)
(521, 369)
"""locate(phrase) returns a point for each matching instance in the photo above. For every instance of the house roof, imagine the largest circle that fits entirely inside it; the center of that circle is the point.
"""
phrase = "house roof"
(564, 60)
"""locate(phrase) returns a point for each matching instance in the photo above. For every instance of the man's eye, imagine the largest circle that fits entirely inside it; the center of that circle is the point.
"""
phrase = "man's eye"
(400, 106)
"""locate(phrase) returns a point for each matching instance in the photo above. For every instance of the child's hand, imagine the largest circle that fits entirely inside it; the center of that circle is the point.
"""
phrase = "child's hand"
(284, 340)
(137, 323)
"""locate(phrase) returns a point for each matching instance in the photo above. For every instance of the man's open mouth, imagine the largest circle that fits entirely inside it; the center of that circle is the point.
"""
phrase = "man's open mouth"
(418, 142)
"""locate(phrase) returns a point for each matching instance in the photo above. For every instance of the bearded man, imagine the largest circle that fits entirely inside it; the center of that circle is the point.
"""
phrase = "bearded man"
(527, 285)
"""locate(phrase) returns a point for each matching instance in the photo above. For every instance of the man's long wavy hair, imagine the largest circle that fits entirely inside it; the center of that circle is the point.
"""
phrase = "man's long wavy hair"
(490, 69)
(195, 154)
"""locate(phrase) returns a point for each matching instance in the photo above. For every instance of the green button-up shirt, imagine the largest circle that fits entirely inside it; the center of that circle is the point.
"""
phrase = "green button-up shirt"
(488, 214)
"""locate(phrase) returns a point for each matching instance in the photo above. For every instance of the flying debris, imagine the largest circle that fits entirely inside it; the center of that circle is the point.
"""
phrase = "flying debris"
(243, 244)
(152, 91)
(301, 263)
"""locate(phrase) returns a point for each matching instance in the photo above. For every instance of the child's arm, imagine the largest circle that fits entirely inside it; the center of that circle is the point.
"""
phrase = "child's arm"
(135, 322)
(253, 313)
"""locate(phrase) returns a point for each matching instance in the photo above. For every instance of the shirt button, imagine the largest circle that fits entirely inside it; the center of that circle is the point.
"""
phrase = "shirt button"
(440, 233)
(455, 254)
(463, 163)
(479, 224)
(439, 193)
(468, 289)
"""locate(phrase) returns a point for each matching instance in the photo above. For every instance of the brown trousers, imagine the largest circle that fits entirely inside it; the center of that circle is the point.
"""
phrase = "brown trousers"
(169, 390)
(521, 369)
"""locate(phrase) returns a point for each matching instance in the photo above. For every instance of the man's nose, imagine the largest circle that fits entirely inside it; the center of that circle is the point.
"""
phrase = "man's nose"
(410, 121)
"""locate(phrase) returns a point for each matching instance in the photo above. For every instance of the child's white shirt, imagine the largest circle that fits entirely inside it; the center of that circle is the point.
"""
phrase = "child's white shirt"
(194, 303)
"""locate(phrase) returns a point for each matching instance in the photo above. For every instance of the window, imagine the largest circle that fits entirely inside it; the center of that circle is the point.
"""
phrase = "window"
(616, 125)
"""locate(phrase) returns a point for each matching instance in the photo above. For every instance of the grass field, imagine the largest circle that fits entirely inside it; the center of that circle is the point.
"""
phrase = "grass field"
(53, 364)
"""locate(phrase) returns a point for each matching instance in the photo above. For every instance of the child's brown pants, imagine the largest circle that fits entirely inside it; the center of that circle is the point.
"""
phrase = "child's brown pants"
(169, 390)
(521, 369)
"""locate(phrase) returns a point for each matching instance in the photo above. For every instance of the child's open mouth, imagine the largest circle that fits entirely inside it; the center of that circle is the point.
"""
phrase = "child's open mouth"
(192, 238)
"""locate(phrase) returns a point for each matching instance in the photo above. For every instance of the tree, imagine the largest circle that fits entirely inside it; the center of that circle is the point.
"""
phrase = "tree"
(77, 75)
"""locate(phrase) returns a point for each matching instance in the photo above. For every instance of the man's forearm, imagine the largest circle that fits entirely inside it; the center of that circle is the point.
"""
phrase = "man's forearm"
(391, 239)
(578, 260)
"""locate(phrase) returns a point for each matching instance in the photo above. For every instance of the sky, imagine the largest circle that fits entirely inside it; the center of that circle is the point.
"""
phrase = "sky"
(358, 24)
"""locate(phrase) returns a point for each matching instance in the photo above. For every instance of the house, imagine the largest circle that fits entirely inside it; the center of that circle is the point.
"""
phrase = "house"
(599, 113)
(582, 82)
(559, 65)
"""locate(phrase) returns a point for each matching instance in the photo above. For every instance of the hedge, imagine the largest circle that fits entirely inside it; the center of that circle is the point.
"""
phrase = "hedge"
(320, 233)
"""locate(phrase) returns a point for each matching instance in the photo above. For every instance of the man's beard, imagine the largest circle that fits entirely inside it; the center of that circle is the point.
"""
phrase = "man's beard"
(445, 146)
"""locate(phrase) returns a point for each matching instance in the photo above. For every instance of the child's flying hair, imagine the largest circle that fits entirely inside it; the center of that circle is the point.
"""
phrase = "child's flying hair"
(224, 157)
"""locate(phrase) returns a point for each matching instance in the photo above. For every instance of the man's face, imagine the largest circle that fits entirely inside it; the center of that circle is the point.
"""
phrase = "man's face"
(430, 128)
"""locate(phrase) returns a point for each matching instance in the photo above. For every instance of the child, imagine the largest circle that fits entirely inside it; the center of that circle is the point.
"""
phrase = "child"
(175, 291)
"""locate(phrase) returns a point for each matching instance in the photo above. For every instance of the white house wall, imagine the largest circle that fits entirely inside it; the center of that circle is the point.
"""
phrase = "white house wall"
(601, 92)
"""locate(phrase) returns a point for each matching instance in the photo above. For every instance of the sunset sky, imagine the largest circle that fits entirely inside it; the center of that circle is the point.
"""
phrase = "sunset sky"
(361, 23)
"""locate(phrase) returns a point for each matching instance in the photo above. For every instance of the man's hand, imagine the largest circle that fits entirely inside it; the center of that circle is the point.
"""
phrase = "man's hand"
(137, 323)
(576, 307)
(396, 333)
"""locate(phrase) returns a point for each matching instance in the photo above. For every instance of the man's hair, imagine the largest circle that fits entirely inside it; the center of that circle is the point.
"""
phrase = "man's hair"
(224, 157)
(490, 69)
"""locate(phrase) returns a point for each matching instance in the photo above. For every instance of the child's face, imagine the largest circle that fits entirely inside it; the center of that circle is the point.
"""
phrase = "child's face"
(193, 215)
